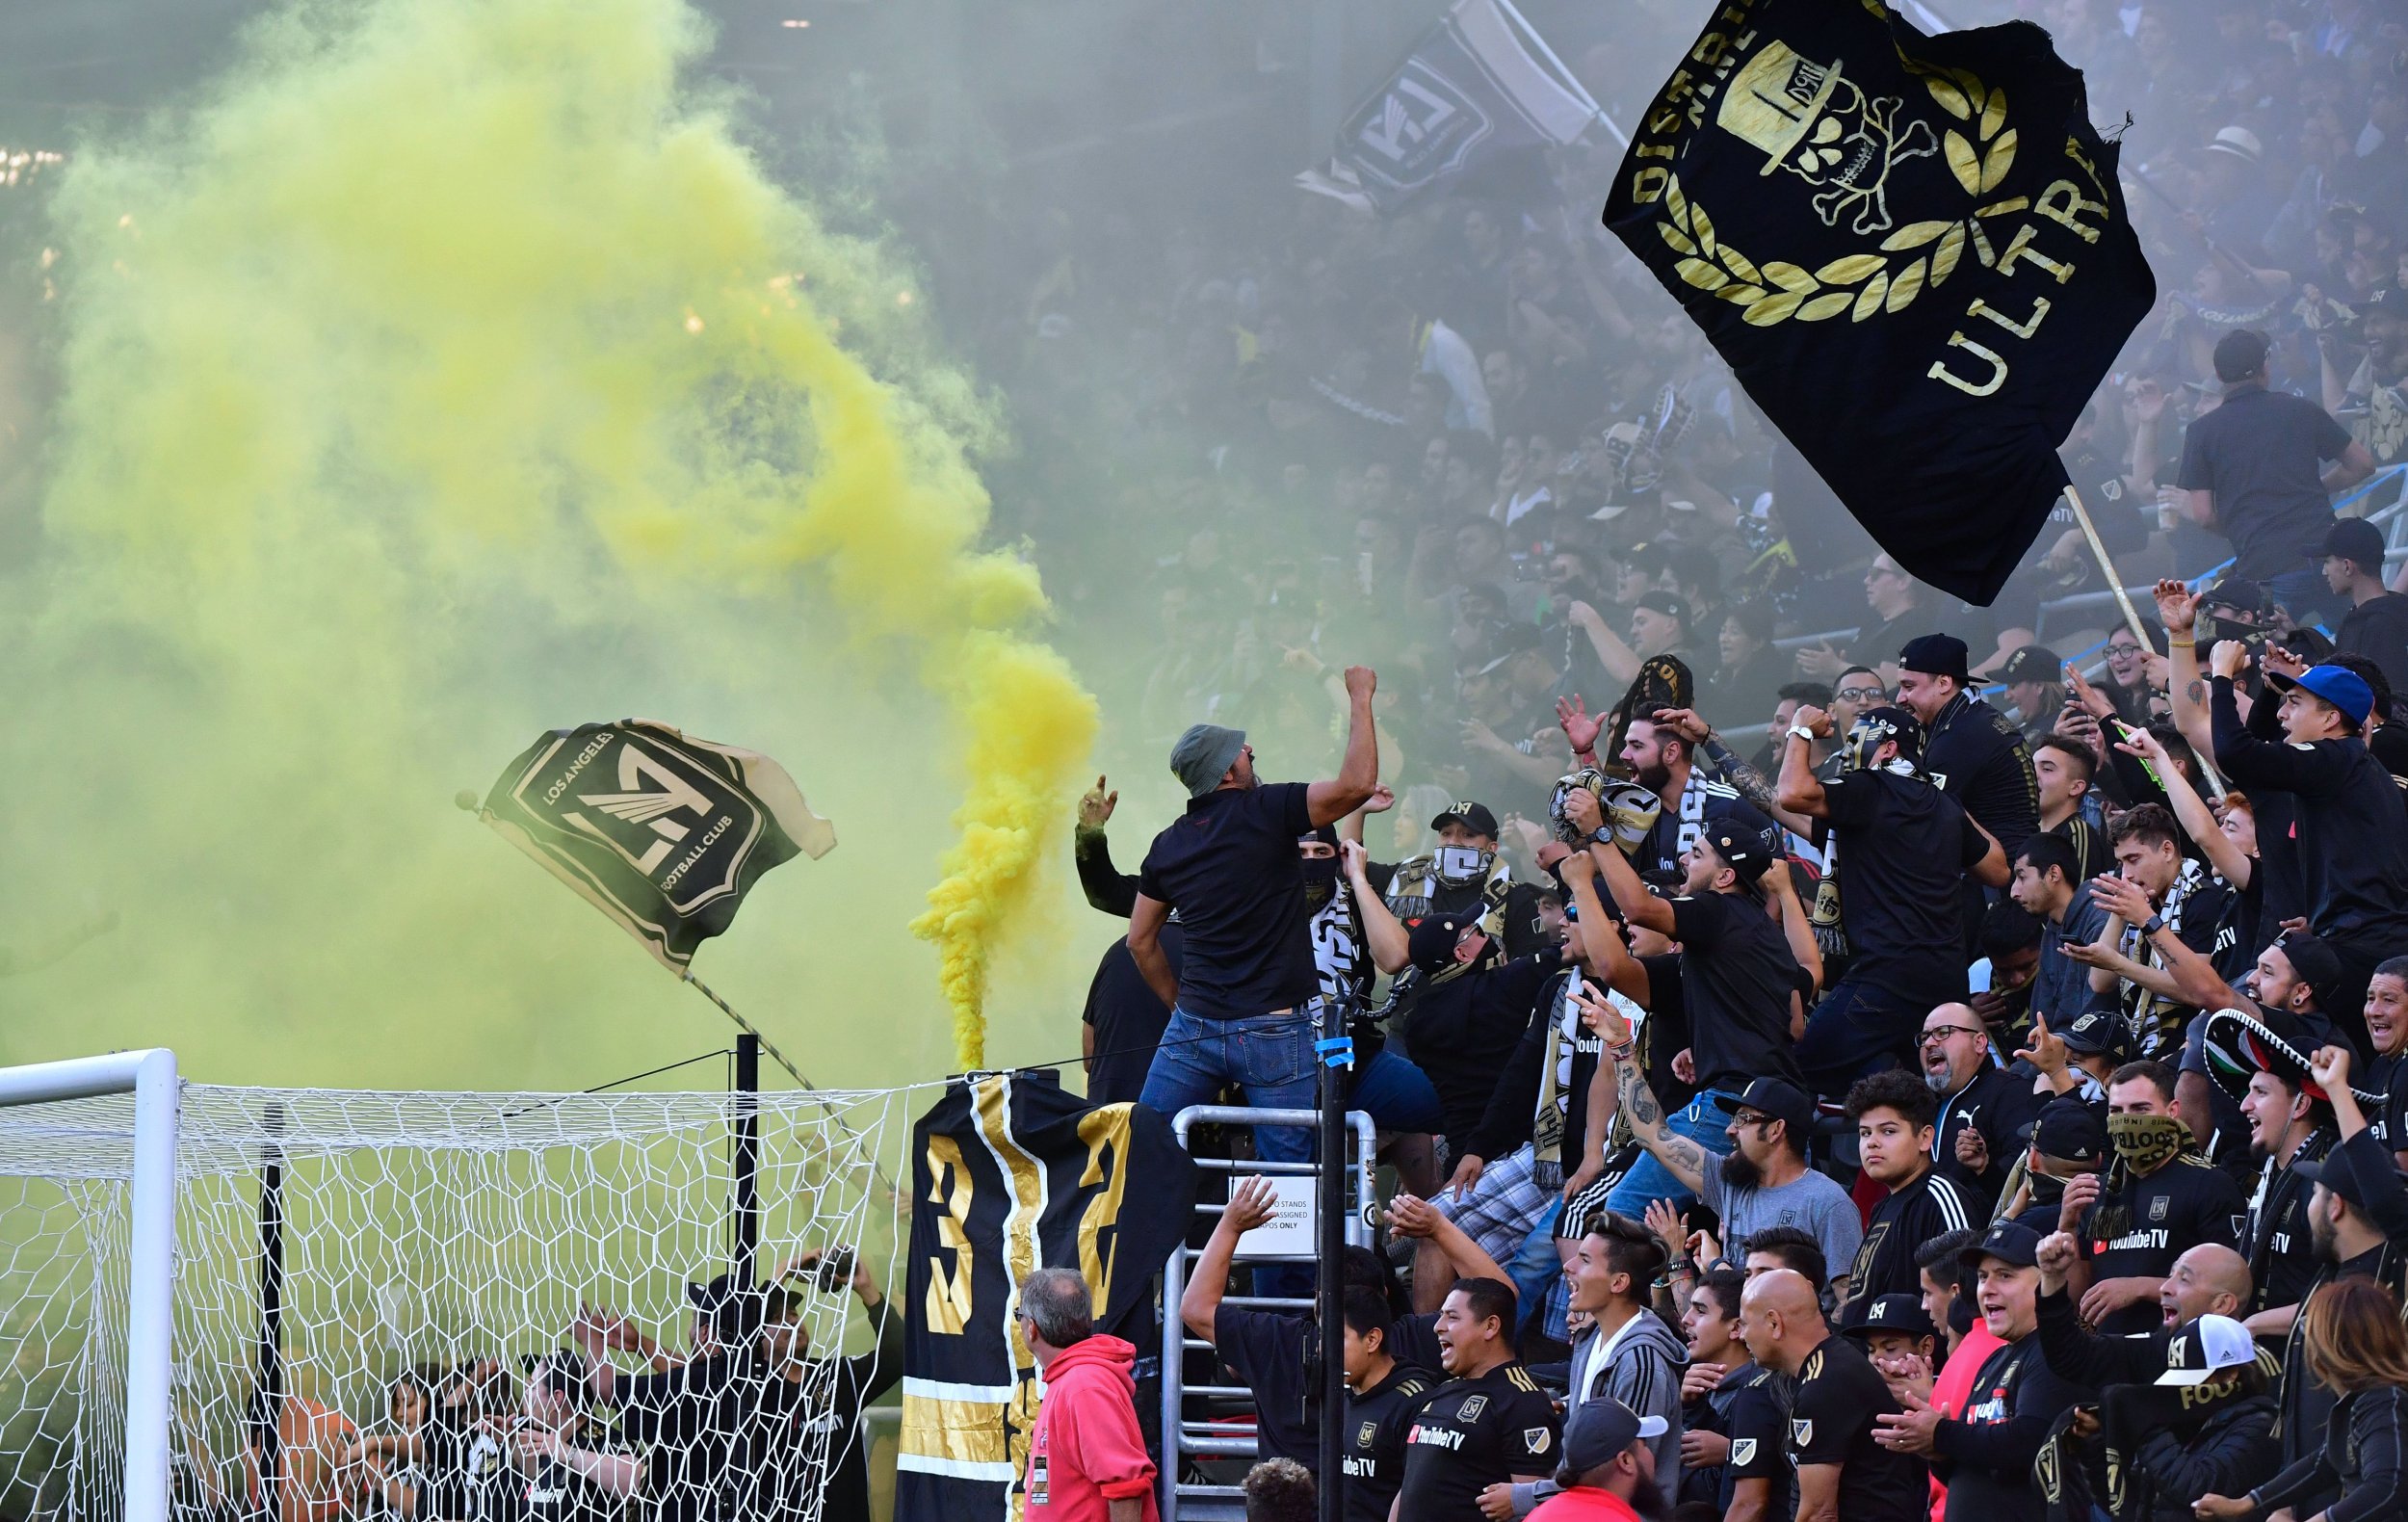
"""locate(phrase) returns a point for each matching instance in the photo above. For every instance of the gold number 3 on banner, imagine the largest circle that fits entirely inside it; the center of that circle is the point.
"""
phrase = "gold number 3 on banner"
(950, 1186)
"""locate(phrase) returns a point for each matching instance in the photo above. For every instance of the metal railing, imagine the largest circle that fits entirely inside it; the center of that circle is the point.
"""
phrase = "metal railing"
(1181, 1437)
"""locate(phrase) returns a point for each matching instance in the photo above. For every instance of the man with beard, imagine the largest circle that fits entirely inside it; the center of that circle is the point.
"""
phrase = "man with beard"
(1489, 1424)
(2160, 1196)
(1984, 1108)
(1837, 1399)
(1659, 753)
(1609, 1472)
(1732, 1420)
(1901, 851)
(1764, 1180)
(2356, 1218)
(807, 1437)
(1893, 1112)
(1984, 1455)
(1739, 979)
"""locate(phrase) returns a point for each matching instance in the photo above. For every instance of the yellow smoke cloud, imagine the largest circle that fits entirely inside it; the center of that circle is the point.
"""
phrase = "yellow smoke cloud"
(452, 373)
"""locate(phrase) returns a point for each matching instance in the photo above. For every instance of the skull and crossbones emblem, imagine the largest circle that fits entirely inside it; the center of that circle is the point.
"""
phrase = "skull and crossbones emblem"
(1822, 126)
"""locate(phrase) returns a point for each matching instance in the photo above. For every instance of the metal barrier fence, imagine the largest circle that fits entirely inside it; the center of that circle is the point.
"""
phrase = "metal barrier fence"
(1183, 1437)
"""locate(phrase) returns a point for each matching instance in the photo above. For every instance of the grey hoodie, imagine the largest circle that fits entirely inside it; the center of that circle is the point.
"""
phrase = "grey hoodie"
(1643, 1372)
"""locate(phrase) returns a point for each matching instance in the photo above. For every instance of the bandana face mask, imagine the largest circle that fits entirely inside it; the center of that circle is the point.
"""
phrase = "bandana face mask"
(1461, 866)
(1864, 738)
(2147, 1143)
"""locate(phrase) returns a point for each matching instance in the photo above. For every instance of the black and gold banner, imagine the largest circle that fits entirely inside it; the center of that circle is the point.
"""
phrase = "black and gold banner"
(1912, 250)
(1010, 1173)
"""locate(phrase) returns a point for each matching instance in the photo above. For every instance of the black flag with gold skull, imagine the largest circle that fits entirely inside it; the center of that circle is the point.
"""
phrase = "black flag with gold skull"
(1912, 252)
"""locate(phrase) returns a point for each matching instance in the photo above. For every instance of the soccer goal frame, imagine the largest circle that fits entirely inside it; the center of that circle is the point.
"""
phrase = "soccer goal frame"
(150, 1077)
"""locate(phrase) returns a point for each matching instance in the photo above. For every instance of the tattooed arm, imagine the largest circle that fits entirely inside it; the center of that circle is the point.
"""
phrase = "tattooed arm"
(1636, 1101)
(1751, 783)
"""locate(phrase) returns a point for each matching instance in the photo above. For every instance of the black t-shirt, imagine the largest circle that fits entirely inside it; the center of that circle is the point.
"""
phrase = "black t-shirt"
(2276, 1243)
(2258, 453)
(1903, 850)
(1903, 1223)
(1471, 1435)
(2378, 630)
(1737, 975)
(2186, 1202)
(687, 1422)
(806, 1441)
(1129, 1019)
(1838, 1394)
(1376, 1423)
(1265, 1351)
(1976, 756)
(2387, 1075)
(1462, 1032)
(1230, 868)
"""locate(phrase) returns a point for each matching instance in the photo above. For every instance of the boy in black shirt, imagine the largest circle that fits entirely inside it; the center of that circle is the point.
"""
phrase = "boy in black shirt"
(1384, 1397)
(1893, 1112)
(1490, 1424)
(1842, 1472)
(1900, 853)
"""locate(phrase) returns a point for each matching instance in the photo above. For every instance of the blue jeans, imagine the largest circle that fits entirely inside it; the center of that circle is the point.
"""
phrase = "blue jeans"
(1703, 1123)
(2303, 593)
(1269, 1056)
(1398, 1095)
(1857, 1029)
(1537, 1269)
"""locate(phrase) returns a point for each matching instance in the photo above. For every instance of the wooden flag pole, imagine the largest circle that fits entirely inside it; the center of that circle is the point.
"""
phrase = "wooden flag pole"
(2107, 568)
(2131, 614)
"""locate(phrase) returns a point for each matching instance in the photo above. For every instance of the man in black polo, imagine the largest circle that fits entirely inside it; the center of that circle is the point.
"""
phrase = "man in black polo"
(1838, 1399)
(2255, 471)
(1246, 996)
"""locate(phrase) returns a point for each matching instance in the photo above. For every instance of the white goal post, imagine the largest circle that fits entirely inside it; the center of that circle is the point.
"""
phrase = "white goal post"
(150, 1077)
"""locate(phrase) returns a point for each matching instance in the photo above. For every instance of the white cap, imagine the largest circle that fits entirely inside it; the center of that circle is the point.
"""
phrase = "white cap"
(2205, 1348)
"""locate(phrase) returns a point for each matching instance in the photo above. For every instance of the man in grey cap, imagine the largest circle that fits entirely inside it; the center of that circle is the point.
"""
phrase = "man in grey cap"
(1609, 1470)
(1246, 997)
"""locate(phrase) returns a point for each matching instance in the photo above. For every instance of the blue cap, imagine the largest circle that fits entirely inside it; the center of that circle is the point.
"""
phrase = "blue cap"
(2342, 688)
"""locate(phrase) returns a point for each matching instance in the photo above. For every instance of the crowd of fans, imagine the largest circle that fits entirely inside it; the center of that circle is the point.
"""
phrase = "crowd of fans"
(1884, 1068)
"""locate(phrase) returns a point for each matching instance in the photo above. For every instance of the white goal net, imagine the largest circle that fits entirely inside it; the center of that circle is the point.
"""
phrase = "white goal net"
(454, 1308)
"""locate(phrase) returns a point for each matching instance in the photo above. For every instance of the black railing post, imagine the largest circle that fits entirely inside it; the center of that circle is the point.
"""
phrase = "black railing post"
(267, 1388)
(745, 1218)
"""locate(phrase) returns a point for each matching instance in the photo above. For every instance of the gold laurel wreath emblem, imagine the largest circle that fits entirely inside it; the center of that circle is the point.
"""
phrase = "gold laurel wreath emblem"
(1860, 284)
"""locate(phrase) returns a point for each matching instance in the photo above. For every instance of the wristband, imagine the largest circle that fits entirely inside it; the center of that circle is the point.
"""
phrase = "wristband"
(2152, 924)
(2181, 644)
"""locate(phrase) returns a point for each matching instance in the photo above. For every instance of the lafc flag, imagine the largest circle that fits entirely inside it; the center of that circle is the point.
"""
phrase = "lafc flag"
(1911, 250)
(1479, 84)
(1010, 1173)
(662, 832)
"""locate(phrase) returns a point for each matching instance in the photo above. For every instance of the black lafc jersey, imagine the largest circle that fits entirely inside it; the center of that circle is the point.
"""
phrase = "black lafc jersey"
(1377, 1422)
(1910, 1217)
(1749, 1407)
(1470, 1434)
(2281, 1266)
(1832, 1407)
(2143, 1227)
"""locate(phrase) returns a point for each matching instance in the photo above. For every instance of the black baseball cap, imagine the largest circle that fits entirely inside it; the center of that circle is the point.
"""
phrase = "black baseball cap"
(2100, 1032)
(2356, 539)
(2010, 1242)
(2320, 964)
(734, 1307)
(1474, 817)
(2241, 594)
(2032, 663)
(1935, 655)
(1900, 1313)
(2335, 1173)
(2070, 1130)
(1770, 1097)
(1670, 604)
(1741, 847)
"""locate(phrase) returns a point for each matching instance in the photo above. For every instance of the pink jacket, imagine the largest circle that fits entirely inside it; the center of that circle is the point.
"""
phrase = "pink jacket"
(1086, 1451)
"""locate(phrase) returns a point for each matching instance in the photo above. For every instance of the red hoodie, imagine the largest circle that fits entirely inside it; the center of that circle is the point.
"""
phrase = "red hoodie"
(1086, 1451)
